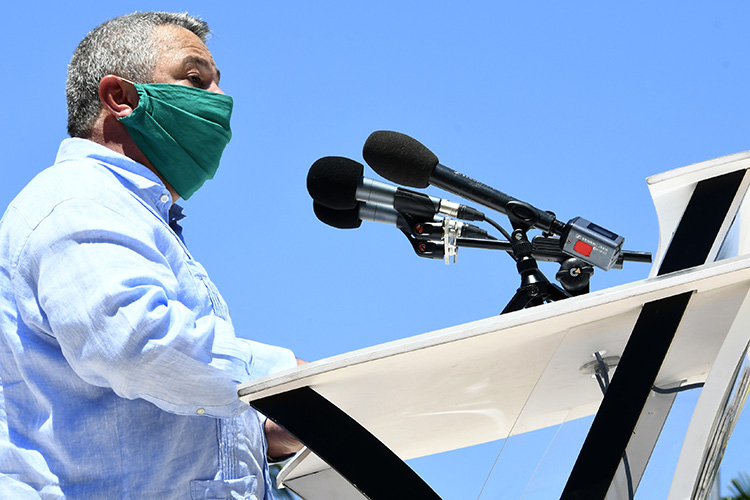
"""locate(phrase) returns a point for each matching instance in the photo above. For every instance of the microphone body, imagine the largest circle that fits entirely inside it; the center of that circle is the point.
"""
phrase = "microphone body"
(419, 227)
(464, 186)
(412, 202)
(427, 246)
(375, 212)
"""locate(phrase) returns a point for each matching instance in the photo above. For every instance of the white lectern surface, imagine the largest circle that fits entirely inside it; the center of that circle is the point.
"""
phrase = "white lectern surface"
(513, 373)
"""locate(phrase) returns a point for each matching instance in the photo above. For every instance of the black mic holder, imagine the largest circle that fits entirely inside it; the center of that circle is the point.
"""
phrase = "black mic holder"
(535, 289)
(425, 243)
(428, 239)
(574, 275)
(436, 239)
(582, 246)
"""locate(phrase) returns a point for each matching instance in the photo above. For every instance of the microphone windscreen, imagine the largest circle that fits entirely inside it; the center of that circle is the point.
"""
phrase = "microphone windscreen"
(342, 219)
(332, 181)
(400, 158)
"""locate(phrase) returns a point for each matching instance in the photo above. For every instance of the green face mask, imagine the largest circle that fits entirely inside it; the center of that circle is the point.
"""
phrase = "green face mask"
(182, 131)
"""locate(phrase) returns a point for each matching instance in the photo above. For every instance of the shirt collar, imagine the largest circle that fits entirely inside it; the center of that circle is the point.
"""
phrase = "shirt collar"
(136, 176)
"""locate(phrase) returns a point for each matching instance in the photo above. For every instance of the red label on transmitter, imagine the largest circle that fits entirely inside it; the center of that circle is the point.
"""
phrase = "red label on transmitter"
(583, 248)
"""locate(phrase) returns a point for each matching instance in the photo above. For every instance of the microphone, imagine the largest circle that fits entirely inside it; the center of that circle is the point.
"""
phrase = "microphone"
(352, 218)
(338, 183)
(404, 160)
(374, 212)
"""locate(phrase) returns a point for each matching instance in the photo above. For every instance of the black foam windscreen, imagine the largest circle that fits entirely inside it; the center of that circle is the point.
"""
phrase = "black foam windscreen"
(400, 158)
(342, 219)
(332, 181)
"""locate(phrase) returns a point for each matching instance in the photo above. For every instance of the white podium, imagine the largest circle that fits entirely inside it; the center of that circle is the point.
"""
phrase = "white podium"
(529, 369)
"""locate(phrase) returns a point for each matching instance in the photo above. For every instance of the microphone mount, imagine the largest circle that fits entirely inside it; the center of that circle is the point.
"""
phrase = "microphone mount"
(535, 288)
(577, 246)
(434, 240)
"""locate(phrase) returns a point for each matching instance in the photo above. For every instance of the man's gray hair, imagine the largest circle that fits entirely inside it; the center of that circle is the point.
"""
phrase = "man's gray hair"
(122, 46)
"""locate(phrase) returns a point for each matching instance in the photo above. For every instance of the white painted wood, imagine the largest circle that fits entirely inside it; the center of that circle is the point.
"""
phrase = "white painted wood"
(513, 373)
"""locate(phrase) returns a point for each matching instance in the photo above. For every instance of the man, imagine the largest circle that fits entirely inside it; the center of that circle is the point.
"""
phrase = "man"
(119, 363)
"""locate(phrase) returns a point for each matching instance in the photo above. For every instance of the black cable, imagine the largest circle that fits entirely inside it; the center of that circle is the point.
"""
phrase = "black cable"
(603, 369)
(672, 390)
(602, 377)
(498, 227)
(631, 493)
(503, 232)
(602, 385)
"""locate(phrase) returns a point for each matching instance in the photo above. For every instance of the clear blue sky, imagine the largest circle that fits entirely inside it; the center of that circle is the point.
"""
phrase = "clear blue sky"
(569, 106)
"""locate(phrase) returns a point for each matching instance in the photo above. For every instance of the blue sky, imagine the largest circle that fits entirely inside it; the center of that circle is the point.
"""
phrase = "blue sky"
(569, 106)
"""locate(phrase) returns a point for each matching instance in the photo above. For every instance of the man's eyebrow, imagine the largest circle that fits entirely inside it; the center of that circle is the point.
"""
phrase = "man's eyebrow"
(199, 61)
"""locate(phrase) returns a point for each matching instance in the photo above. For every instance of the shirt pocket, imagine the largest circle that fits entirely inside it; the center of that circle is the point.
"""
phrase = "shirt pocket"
(218, 305)
(224, 489)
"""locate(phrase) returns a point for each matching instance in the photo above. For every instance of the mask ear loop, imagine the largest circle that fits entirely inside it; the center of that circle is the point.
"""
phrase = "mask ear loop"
(118, 99)
(138, 94)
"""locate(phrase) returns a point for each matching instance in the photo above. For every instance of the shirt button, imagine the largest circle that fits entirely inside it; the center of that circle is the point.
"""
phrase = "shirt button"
(200, 411)
(164, 198)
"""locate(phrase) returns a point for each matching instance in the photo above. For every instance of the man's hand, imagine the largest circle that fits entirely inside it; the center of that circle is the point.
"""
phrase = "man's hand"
(280, 442)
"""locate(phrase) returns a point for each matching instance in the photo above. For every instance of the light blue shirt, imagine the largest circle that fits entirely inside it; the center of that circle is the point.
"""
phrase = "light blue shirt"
(119, 363)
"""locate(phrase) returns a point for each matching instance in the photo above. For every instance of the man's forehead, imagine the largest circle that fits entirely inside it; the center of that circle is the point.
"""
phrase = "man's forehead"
(171, 38)
(176, 42)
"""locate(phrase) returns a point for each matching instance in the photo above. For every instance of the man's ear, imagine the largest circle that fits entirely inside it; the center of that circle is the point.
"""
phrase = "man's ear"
(118, 97)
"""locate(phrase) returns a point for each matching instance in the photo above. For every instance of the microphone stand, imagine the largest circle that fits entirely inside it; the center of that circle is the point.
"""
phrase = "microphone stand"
(535, 288)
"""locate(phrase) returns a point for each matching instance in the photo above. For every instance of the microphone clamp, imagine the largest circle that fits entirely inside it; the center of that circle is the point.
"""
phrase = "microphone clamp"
(451, 232)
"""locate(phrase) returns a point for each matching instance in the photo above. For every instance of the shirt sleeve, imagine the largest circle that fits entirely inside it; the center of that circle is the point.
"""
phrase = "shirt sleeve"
(112, 301)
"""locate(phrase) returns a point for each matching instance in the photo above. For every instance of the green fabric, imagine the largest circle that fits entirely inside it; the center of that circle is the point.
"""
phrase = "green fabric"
(182, 131)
